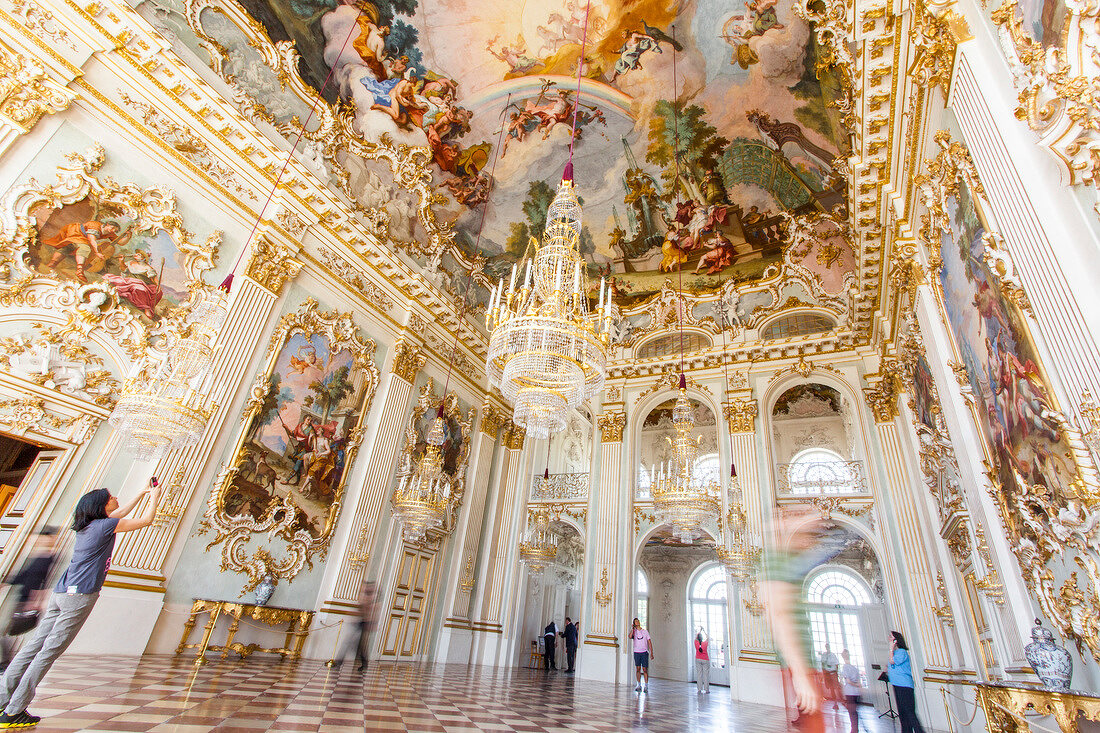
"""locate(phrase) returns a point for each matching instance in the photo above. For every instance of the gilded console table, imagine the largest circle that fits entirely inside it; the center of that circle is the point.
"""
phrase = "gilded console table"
(1005, 703)
(297, 630)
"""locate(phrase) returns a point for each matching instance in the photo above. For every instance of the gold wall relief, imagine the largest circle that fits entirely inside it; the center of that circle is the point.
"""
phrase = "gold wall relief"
(27, 92)
(303, 425)
(603, 595)
(882, 395)
(741, 415)
(1041, 474)
(611, 426)
(271, 264)
(513, 436)
(491, 419)
(407, 360)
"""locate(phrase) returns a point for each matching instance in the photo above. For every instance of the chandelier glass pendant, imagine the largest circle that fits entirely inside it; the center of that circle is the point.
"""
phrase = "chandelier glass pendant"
(679, 497)
(742, 555)
(423, 494)
(547, 353)
(540, 547)
(165, 412)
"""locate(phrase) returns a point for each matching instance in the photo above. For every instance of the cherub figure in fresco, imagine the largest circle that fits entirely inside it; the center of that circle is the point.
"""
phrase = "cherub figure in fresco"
(469, 191)
(447, 121)
(138, 282)
(760, 18)
(519, 63)
(87, 243)
(306, 358)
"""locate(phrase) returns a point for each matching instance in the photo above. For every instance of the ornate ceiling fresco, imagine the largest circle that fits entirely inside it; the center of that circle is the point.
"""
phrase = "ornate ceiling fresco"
(702, 127)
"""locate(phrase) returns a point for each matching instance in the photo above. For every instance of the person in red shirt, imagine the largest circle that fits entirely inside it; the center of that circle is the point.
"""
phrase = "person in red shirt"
(702, 663)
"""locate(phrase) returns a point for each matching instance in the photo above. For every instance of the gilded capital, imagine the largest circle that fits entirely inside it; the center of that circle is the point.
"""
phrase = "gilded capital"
(407, 360)
(882, 396)
(513, 436)
(741, 415)
(271, 264)
(491, 419)
(611, 426)
(29, 93)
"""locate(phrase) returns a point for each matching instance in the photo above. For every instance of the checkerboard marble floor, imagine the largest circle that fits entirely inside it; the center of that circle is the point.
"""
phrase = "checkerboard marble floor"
(168, 695)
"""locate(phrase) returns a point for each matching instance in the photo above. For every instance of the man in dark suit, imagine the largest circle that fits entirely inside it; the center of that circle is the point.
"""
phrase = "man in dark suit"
(570, 635)
(550, 638)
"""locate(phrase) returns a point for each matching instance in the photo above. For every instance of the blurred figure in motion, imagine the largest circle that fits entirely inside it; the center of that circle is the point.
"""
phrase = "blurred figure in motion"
(29, 584)
(802, 542)
(849, 677)
(360, 642)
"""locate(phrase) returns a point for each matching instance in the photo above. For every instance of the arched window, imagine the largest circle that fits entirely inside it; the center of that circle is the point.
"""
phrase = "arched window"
(820, 471)
(670, 344)
(641, 597)
(797, 324)
(833, 596)
(707, 601)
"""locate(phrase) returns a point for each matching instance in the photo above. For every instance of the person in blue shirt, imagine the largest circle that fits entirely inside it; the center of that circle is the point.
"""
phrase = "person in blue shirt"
(900, 672)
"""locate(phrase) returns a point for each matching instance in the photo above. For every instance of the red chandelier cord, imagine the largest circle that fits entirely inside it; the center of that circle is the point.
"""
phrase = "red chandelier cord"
(568, 175)
(676, 193)
(228, 282)
(477, 243)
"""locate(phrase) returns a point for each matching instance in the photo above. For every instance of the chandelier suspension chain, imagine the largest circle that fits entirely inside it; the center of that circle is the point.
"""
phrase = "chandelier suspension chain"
(580, 69)
(676, 199)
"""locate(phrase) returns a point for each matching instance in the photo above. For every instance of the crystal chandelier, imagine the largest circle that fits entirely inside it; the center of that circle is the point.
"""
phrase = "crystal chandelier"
(540, 546)
(741, 556)
(679, 497)
(547, 353)
(423, 495)
(164, 412)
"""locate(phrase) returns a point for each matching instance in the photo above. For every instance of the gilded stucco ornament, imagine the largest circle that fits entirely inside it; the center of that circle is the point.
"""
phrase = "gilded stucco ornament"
(271, 264)
(512, 435)
(882, 394)
(1058, 86)
(27, 93)
(407, 360)
(59, 359)
(279, 515)
(741, 415)
(611, 426)
(492, 418)
(1050, 516)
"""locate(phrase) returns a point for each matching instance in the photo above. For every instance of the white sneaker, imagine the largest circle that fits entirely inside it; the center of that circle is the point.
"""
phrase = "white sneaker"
(645, 688)
(638, 687)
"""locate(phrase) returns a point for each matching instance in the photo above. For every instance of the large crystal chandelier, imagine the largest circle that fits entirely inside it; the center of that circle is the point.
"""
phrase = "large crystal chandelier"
(679, 497)
(742, 555)
(164, 411)
(547, 353)
(540, 546)
(423, 495)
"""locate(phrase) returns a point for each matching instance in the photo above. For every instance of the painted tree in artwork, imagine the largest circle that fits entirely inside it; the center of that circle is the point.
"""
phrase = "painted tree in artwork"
(273, 400)
(679, 128)
(539, 197)
(329, 391)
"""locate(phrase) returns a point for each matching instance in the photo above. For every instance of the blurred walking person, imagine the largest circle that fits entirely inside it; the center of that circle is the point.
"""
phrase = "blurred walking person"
(31, 582)
(358, 645)
(851, 685)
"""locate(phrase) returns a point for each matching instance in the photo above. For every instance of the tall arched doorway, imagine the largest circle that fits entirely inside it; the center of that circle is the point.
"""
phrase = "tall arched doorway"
(708, 611)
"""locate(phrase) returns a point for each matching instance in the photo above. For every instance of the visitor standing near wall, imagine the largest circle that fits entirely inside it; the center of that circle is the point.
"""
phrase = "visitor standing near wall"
(550, 641)
(702, 663)
(900, 672)
(829, 666)
(570, 636)
(359, 644)
(98, 519)
(850, 681)
(642, 646)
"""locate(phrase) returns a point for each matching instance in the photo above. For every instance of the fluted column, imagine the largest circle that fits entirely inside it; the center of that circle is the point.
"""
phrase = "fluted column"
(914, 560)
(500, 566)
(461, 585)
(605, 564)
(372, 498)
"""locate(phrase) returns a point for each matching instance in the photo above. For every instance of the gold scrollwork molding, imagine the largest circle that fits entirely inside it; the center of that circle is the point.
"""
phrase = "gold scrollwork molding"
(882, 394)
(25, 414)
(492, 419)
(611, 426)
(990, 584)
(753, 604)
(469, 581)
(27, 93)
(603, 595)
(669, 380)
(641, 515)
(41, 21)
(803, 368)
(407, 360)
(513, 436)
(942, 609)
(1057, 86)
(741, 415)
(1006, 703)
(271, 264)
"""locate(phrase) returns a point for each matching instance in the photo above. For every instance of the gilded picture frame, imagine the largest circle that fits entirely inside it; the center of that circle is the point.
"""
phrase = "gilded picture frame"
(288, 482)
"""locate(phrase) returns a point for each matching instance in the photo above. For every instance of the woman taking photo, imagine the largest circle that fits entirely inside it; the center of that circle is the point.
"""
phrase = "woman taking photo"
(900, 673)
(642, 646)
(96, 521)
(702, 663)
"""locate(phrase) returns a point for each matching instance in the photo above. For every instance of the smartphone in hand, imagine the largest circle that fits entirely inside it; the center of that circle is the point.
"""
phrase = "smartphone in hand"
(153, 481)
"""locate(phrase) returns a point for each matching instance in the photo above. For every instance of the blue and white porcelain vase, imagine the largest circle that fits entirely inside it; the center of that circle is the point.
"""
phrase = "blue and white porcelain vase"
(1052, 663)
(264, 590)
